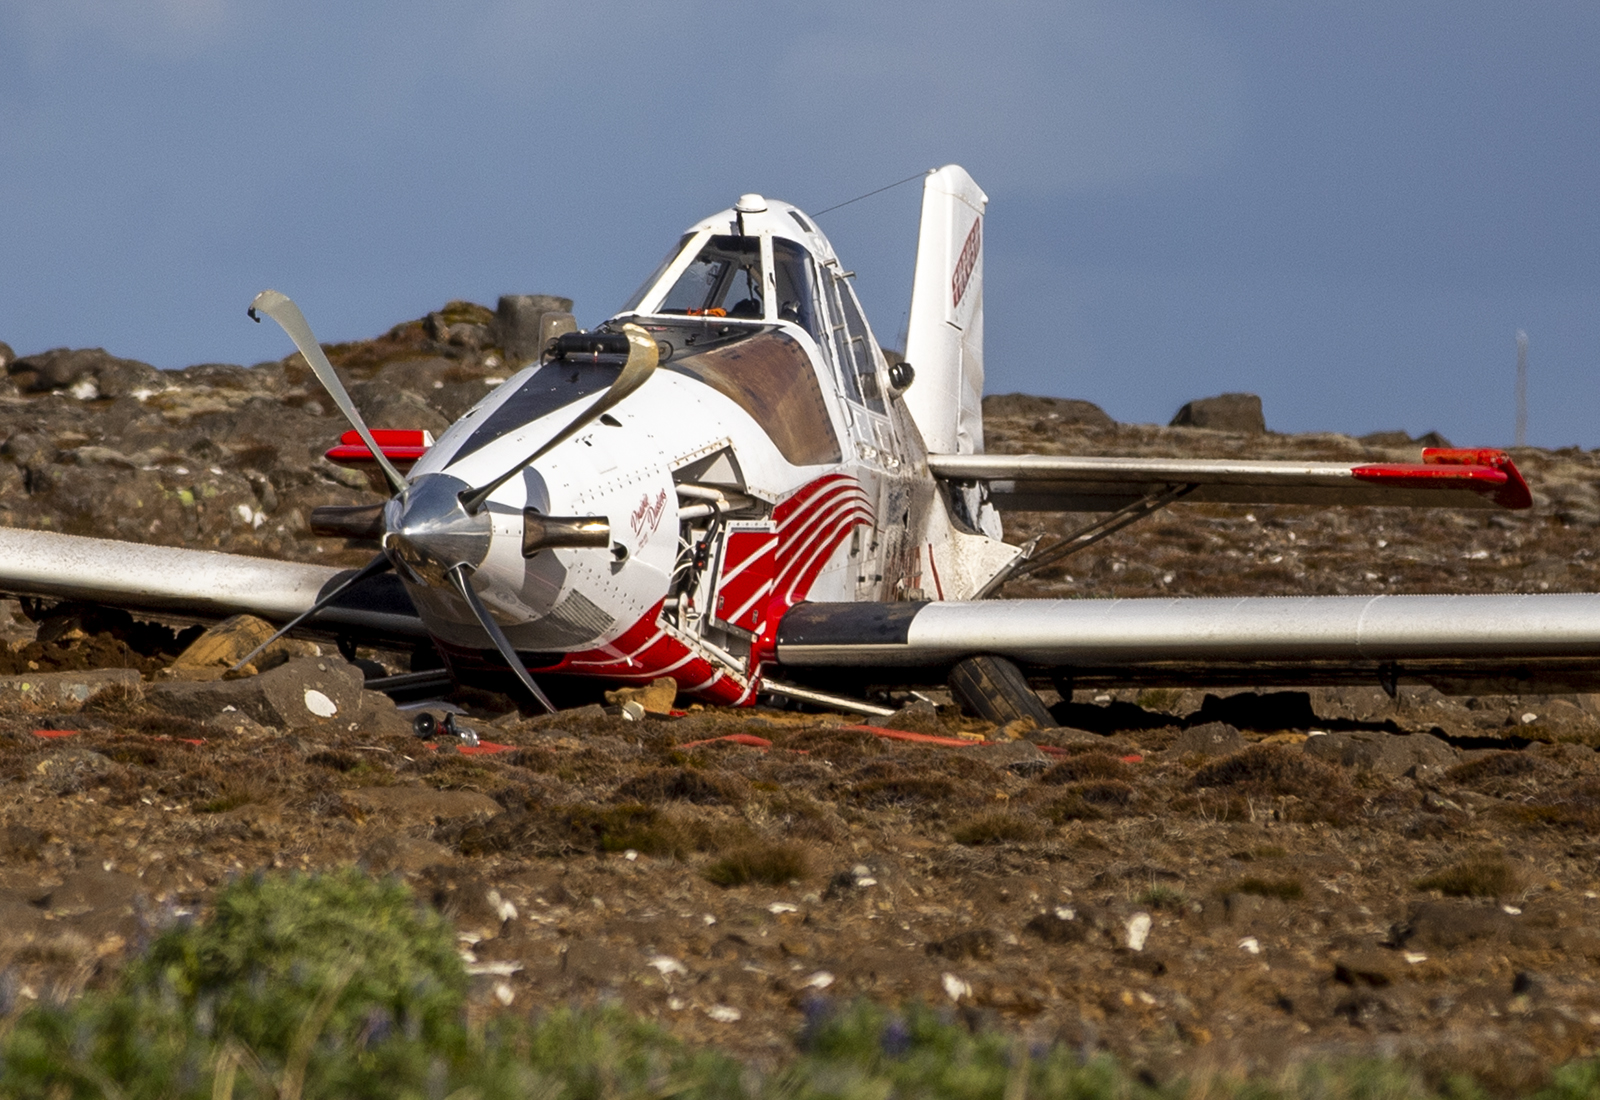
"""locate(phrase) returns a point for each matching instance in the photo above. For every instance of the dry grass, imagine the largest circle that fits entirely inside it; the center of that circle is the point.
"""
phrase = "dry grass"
(1500, 773)
(1089, 765)
(888, 784)
(764, 863)
(1480, 875)
(1574, 805)
(1273, 770)
(1284, 889)
(682, 785)
(1001, 827)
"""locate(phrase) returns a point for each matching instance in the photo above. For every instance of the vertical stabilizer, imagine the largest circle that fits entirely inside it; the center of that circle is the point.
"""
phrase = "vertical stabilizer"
(944, 337)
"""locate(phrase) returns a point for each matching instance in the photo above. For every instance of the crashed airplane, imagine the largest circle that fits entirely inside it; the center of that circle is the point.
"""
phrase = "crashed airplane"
(729, 484)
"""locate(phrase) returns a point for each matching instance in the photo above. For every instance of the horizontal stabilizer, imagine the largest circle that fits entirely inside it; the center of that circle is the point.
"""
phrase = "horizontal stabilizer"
(198, 584)
(1548, 638)
(1445, 478)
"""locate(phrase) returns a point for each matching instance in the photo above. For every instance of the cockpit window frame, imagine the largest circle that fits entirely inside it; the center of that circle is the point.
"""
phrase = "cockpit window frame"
(638, 296)
(668, 278)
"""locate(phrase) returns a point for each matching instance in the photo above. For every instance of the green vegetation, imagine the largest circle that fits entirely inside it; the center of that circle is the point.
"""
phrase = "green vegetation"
(293, 980)
(1160, 896)
(341, 986)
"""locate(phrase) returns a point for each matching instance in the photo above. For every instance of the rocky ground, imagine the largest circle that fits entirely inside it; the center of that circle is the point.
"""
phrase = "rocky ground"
(1189, 879)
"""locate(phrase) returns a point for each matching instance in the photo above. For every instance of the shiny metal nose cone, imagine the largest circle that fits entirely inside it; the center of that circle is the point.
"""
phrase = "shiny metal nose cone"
(429, 532)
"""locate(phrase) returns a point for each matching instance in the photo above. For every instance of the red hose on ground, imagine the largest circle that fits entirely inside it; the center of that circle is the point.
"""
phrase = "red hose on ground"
(919, 738)
(749, 739)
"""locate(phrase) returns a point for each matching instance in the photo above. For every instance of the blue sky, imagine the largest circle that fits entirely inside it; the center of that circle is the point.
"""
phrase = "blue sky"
(1349, 208)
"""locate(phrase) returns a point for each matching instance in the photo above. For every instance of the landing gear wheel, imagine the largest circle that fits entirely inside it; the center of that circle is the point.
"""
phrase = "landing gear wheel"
(994, 689)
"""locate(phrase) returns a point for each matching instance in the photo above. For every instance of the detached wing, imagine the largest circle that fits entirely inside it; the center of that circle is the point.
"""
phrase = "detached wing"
(1445, 478)
(200, 584)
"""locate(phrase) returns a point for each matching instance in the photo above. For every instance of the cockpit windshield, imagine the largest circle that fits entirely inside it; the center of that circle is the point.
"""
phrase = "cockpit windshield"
(723, 281)
(644, 288)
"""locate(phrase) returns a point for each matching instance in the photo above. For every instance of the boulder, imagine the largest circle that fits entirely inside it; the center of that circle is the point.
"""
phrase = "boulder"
(521, 326)
(1019, 757)
(379, 717)
(404, 855)
(384, 406)
(1210, 739)
(20, 923)
(61, 690)
(1387, 754)
(85, 372)
(917, 716)
(305, 691)
(93, 890)
(1228, 412)
(1404, 439)
(1450, 924)
(656, 697)
(1065, 410)
(73, 769)
(1359, 703)
(225, 644)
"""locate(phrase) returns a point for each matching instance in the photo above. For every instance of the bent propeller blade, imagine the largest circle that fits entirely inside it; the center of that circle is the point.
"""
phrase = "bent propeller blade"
(379, 564)
(281, 308)
(643, 355)
(459, 577)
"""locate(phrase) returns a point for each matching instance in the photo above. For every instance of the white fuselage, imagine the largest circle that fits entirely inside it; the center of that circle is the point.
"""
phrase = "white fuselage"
(768, 460)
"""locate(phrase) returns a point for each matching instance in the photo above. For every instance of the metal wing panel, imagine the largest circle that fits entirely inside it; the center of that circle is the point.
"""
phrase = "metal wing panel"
(199, 584)
(1445, 478)
(1126, 633)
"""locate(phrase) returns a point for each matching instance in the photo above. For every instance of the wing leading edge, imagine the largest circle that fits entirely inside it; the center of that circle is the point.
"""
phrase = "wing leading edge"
(1480, 640)
(1445, 478)
(199, 584)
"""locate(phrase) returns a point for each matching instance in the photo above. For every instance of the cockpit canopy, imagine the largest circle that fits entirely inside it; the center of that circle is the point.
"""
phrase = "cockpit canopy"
(724, 280)
(764, 261)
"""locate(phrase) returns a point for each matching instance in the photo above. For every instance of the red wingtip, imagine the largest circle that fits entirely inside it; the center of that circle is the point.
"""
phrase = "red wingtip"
(402, 446)
(1485, 471)
(1513, 494)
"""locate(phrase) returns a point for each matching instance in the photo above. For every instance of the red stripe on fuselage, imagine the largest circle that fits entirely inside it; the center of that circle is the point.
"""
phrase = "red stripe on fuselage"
(808, 535)
(811, 524)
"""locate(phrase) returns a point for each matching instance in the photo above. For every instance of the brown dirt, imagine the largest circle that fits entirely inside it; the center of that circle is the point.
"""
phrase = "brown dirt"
(1440, 905)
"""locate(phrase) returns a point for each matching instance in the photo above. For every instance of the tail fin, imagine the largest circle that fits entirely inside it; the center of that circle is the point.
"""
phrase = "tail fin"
(944, 337)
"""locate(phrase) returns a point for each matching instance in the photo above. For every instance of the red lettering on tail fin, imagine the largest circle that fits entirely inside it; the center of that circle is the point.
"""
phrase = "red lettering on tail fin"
(966, 263)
